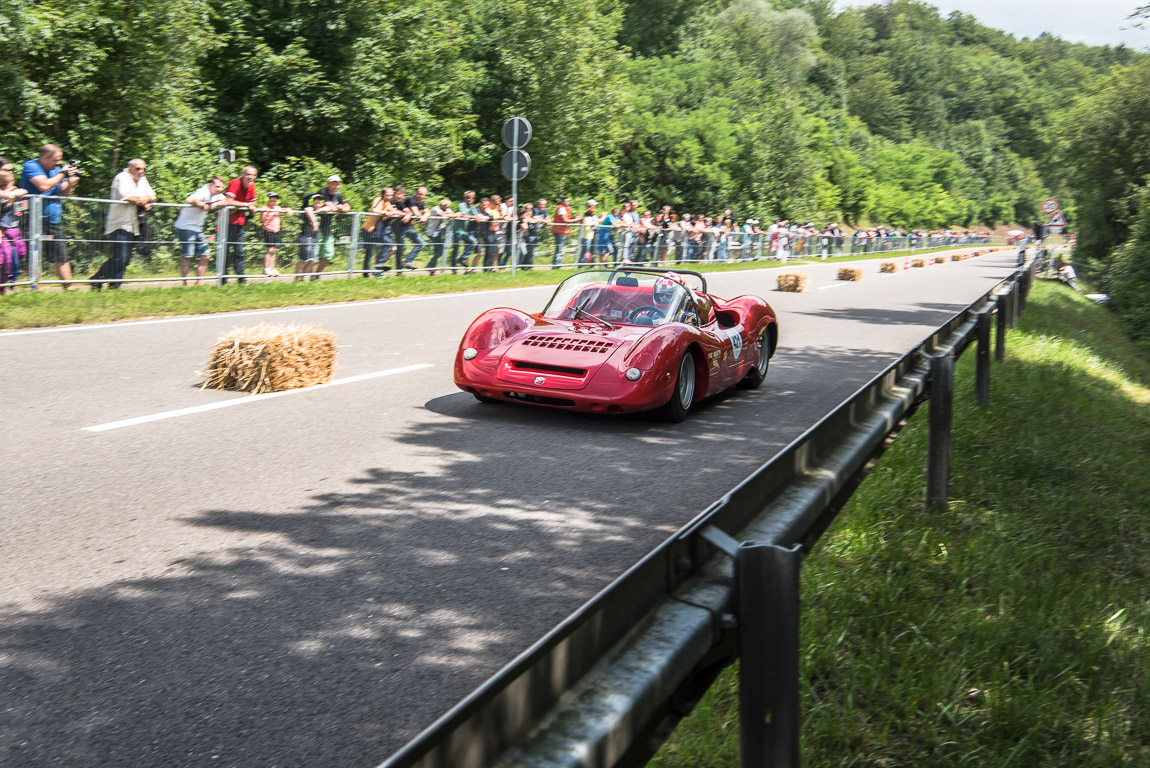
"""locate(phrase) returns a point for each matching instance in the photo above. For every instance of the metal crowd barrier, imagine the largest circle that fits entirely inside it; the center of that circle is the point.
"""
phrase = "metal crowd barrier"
(156, 255)
(631, 661)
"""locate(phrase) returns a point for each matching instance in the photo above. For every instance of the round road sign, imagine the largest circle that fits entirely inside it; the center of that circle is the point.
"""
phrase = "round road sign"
(1049, 205)
(516, 163)
(516, 133)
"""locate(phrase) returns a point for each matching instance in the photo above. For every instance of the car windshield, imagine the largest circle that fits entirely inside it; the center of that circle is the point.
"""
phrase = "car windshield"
(621, 296)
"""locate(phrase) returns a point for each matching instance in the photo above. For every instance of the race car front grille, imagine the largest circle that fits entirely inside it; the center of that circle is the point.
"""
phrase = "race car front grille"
(539, 399)
(570, 343)
(563, 370)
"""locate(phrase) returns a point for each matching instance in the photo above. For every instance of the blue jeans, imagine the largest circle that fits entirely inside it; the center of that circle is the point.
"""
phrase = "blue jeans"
(438, 248)
(466, 241)
(586, 251)
(114, 268)
(490, 250)
(560, 243)
(191, 243)
(408, 233)
(377, 246)
(234, 255)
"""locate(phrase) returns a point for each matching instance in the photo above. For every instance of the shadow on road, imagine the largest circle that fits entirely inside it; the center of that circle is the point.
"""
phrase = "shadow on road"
(927, 315)
(373, 609)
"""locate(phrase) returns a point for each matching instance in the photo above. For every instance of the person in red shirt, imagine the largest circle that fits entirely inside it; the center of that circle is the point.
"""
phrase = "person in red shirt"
(241, 200)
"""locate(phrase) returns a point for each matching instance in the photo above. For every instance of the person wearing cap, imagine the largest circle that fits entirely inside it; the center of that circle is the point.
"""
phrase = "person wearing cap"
(309, 227)
(333, 203)
(270, 221)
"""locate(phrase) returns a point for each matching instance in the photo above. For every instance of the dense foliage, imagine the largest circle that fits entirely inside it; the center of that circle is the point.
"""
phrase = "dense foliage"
(890, 113)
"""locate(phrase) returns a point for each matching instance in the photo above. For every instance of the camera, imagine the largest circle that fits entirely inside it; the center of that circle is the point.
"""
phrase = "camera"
(72, 168)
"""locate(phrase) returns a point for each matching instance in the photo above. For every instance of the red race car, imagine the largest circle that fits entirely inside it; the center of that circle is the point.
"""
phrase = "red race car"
(620, 341)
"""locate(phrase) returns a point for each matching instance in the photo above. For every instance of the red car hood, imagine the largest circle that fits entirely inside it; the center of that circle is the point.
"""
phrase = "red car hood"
(563, 356)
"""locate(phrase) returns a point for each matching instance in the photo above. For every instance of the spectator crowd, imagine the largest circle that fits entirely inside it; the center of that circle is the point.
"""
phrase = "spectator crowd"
(469, 235)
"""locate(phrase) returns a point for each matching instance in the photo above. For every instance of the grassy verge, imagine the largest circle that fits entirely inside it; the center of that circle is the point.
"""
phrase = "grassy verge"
(34, 309)
(1011, 630)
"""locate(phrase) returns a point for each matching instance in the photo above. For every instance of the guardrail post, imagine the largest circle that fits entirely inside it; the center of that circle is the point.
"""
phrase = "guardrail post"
(353, 245)
(35, 241)
(767, 581)
(982, 360)
(941, 421)
(1000, 327)
(221, 244)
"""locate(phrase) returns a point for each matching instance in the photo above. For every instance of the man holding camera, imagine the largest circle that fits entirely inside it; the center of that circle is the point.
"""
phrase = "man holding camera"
(44, 176)
(130, 192)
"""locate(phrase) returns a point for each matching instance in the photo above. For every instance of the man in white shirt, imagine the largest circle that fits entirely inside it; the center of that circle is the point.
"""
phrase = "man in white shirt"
(130, 192)
(189, 226)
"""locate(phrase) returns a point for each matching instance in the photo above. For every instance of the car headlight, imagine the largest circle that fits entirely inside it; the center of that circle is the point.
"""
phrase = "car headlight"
(470, 353)
(633, 374)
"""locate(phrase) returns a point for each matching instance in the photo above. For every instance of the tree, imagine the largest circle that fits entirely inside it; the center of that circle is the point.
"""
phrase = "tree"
(557, 63)
(126, 86)
(1105, 150)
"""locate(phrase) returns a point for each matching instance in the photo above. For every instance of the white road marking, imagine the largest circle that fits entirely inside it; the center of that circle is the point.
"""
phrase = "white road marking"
(833, 285)
(249, 399)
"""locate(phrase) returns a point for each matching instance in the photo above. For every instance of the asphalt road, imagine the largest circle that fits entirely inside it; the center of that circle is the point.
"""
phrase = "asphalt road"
(311, 579)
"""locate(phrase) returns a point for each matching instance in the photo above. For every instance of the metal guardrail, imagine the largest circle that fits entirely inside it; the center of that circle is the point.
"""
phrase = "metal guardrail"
(157, 256)
(594, 689)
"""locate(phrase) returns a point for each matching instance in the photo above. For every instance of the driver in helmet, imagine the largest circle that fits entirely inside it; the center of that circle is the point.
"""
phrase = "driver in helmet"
(666, 288)
(665, 292)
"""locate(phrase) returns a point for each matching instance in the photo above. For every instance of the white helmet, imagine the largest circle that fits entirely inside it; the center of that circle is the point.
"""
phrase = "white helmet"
(666, 286)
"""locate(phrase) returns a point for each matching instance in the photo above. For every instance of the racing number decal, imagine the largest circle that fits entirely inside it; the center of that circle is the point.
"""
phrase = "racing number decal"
(736, 336)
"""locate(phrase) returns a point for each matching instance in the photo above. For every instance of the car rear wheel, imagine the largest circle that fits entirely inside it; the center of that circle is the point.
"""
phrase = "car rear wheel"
(758, 374)
(683, 394)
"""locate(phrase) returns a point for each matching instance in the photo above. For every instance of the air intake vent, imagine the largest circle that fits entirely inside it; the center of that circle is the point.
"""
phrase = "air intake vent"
(527, 365)
(571, 343)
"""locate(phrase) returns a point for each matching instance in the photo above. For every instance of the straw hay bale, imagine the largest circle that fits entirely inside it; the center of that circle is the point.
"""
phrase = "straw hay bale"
(271, 358)
(793, 282)
(889, 266)
(918, 262)
(939, 259)
(850, 273)
(956, 257)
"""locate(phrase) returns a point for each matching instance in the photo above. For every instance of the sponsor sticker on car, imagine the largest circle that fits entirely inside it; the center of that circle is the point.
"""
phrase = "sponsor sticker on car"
(736, 336)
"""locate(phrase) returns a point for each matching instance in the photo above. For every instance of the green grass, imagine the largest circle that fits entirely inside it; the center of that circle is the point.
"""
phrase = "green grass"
(34, 309)
(1010, 630)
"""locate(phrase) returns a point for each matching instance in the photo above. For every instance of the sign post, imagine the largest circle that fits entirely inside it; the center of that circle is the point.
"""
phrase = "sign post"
(1050, 208)
(516, 164)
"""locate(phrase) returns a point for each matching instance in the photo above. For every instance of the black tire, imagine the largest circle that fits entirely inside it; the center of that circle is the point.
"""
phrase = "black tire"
(758, 374)
(486, 399)
(683, 394)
